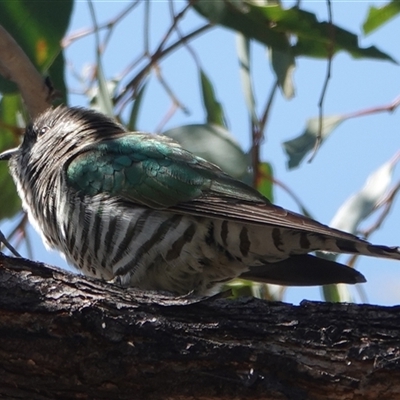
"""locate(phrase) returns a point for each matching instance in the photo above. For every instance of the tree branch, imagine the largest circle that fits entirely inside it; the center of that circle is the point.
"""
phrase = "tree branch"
(16, 66)
(67, 336)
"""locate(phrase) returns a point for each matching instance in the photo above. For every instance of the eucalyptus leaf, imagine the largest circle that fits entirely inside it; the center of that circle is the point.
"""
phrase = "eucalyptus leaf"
(100, 95)
(337, 293)
(270, 24)
(360, 205)
(377, 16)
(243, 17)
(215, 113)
(298, 147)
(213, 143)
(132, 124)
(265, 181)
(353, 211)
(283, 64)
(9, 109)
(243, 51)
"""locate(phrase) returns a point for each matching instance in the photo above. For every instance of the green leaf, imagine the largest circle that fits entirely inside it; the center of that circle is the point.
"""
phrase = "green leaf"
(242, 17)
(215, 113)
(240, 288)
(243, 51)
(298, 147)
(38, 27)
(337, 294)
(317, 39)
(265, 181)
(9, 110)
(132, 124)
(377, 16)
(213, 143)
(283, 64)
(103, 98)
(272, 23)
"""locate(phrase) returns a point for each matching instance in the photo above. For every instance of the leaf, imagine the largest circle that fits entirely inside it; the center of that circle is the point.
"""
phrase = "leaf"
(242, 17)
(270, 24)
(298, 147)
(353, 211)
(265, 181)
(360, 205)
(38, 27)
(215, 113)
(377, 16)
(314, 38)
(100, 94)
(132, 124)
(283, 64)
(337, 293)
(240, 288)
(243, 50)
(9, 109)
(104, 87)
(213, 143)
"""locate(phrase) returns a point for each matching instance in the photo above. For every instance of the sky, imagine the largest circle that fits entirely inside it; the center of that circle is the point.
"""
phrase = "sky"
(355, 149)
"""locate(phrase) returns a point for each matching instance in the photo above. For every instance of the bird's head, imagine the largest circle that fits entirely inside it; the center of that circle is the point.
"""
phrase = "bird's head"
(58, 134)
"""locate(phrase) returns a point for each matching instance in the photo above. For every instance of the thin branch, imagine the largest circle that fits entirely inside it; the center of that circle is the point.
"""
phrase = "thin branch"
(267, 110)
(157, 56)
(327, 79)
(146, 28)
(7, 244)
(167, 117)
(67, 41)
(168, 89)
(287, 190)
(375, 110)
(180, 35)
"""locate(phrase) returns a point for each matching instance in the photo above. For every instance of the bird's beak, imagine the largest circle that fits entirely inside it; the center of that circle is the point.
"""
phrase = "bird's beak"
(6, 155)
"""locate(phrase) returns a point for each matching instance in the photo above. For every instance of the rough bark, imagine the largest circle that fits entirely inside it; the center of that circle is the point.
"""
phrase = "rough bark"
(65, 336)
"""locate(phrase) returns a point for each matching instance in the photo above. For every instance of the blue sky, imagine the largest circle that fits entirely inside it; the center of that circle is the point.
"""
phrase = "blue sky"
(355, 149)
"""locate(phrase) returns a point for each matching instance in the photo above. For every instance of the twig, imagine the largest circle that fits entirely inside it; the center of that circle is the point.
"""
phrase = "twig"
(168, 89)
(8, 245)
(158, 56)
(287, 190)
(375, 110)
(67, 41)
(327, 78)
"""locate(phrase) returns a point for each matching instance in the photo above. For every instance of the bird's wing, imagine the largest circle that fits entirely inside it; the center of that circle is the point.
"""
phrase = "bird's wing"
(156, 172)
(258, 214)
(153, 171)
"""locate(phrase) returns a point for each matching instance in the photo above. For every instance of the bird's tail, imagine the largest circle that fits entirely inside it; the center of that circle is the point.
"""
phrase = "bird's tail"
(303, 270)
(364, 248)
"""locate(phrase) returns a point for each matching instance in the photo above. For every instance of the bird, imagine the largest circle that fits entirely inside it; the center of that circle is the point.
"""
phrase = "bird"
(138, 209)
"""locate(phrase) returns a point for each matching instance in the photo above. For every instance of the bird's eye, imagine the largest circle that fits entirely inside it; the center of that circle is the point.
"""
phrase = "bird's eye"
(43, 130)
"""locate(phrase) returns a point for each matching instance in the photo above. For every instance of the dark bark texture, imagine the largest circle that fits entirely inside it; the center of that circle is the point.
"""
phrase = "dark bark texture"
(64, 336)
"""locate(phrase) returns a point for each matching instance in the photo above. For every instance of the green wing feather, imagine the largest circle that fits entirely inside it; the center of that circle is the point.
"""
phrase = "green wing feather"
(151, 170)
